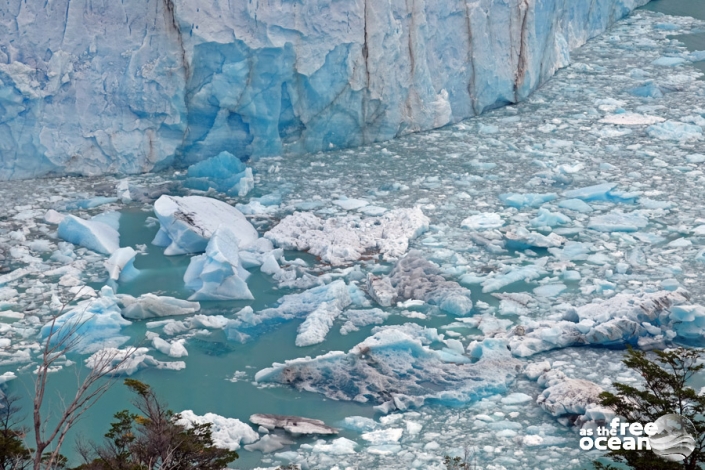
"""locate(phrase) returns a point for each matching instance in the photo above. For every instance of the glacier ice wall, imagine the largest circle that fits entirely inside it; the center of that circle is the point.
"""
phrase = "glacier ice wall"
(94, 86)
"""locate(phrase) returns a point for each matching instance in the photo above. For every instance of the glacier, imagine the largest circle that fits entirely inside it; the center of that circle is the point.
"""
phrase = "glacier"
(127, 87)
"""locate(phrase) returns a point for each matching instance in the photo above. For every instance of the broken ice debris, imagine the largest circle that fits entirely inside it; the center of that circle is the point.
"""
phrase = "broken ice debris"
(341, 240)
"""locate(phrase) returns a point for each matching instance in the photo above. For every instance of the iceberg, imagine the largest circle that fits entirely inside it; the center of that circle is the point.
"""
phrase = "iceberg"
(120, 265)
(93, 234)
(341, 240)
(396, 369)
(227, 433)
(218, 274)
(646, 320)
(154, 306)
(188, 223)
(319, 306)
(81, 94)
(126, 362)
(90, 326)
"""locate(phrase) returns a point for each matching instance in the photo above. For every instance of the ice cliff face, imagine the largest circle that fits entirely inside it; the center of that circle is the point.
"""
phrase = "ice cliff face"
(93, 86)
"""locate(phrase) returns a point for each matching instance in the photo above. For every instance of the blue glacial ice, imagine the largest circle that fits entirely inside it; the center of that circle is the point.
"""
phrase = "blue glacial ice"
(224, 173)
(120, 265)
(188, 223)
(94, 234)
(92, 325)
(138, 86)
(218, 274)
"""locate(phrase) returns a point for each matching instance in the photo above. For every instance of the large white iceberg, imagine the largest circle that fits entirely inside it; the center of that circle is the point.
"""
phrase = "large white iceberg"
(188, 223)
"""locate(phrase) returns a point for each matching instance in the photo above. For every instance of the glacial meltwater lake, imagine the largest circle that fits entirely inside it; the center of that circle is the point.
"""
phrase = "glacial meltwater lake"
(590, 191)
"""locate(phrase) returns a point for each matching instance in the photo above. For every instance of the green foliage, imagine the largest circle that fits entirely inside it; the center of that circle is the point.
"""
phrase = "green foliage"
(154, 440)
(13, 453)
(665, 391)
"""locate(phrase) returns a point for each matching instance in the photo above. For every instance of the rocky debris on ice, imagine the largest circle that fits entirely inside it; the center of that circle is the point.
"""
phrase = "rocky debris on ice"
(396, 368)
(126, 362)
(188, 223)
(218, 274)
(295, 425)
(566, 396)
(414, 277)
(94, 234)
(224, 173)
(154, 306)
(89, 326)
(647, 320)
(227, 433)
(120, 265)
(342, 240)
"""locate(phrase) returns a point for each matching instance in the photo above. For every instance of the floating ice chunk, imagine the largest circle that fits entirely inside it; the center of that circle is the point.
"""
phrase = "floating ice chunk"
(598, 192)
(129, 361)
(53, 217)
(394, 367)
(359, 423)
(340, 446)
(381, 290)
(673, 130)
(576, 205)
(647, 90)
(383, 436)
(350, 204)
(89, 203)
(173, 349)
(546, 218)
(93, 234)
(484, 221)
(224, 173)
(569, 396)
(269, 443)
(120, 265)
(668, 61)
(217, 274)
(357, 319)
(638, 319)
(523, 200)
(335, 295)
(535, 369)
(317, 324)
(342, 240)
(696, 56)
(6, 377)
(516, 399)
(680, 243)
(549, 290)
(295, 425)
(521, 239)
(631, 119)
(188, 223)
(414, 277)
(90, 326)
(618, 222)
(151, 306)
(227, 433)
(512, 275)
